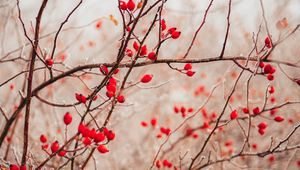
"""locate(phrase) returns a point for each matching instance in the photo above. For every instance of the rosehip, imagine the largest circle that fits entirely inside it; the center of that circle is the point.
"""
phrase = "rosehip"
(188, 66)
(13, 167)
(279, 119)
(262, 125)
(146, 78)
(123, 5)
(102, 149)
(54, 146)
(121, 99)
(153, 121)
(62, 153)
(190, 73)
(49, 62)
(175, 34)
(163, 25)
(256, 111)
(67, 118)
(99, 137)
(43, 138)
(104, 69)
(130, 5)
(233, 115)
(152, 56)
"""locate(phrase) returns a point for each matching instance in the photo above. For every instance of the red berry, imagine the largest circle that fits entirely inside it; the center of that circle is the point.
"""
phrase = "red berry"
(261, 65)
(82, 128)
(23, 167)
(157, 164)
(268, 69)
(262, 125)
(49, 62)
(144, 124)
(271, 89)
(129, 52)
(144, 50)
(175, 34)
(190, 73)
(123, 5)
(279, 119)
(163, 25)
(256, 111)
(99, 137)
(233, 115)
(116, 71)
(13, 167)
(176, 109)
(152, 56)
(171, 30)
(166, 131)
(136, 46)
(86, 141)
(45, 146)
(146, 78)
(130, 5)
(153, 122)
(270, 77)
(268, 42)
(188, 66)
(121, 99)
(43, 138)
(80, 98)
(54, 146)
(261, 131)
(62, 153)
(245, 110)
(67, 118)
(110, 135)
(102, 149)
(104, 69)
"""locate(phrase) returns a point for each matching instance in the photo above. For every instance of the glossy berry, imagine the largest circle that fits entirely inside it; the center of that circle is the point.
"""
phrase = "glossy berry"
(157, 164)
(49, 62)
(62, 153)
(99, 137)
(121, 99)
(171, 30)
(102, 149)
(104, 69)
(123, 5)
(43, 138)
(13, 167)
(245, 110)
(279, 119)
(268, 42)
(54, 146)
(67, 118)
(270, 77)
(144, 124)
(175, 34)
(144, 50)
(256, 111)
(262, 125)
(233, 115)
(136, 46)
(152, 56)
(129, 52)
(190, 73)
(188, 66)
(80, 98)
(271, 89)
(261, 131)
(153, 122)
(130, 5)
(86, 141)
(163, 25)
(146, 78)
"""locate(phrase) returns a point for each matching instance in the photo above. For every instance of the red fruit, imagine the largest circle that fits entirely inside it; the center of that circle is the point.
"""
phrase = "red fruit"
(54, 146)
(86, 141)
(102, 149)
(146, 78)
(233, 115)
(43, 138)
(13, 167)
(123, 5)
(49, 62)
(92, 133)
(67, 118)
(116, 71)
(129, 53)
(111, 87)
(171, 30)
(82, 128)
(130, 5)
(271, 89)
(152, 56)
(80, 98)
(163, 25)
(188, 66)
(254, 146)
(144, 124)
(268, 69)
(144, 50)
(112, 81)
(190, 110)
(99, 137)
(110, 94)
(262, 125)
(245, 110)
(271, 158)
(175, 34)
(157, 164)
(189, 131)
(261, 65)
(110, 135)
(153, 122)
(165, 130)
(182, 109)
(190, 73)
(62, 153)
(136, 46)
(270, 77)
(104, 69)
(268, 42)
(23, 167)
(279, 119)
(121, 99)
(256, 111)
(261, 131)
(45, 146)
(176, 109)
